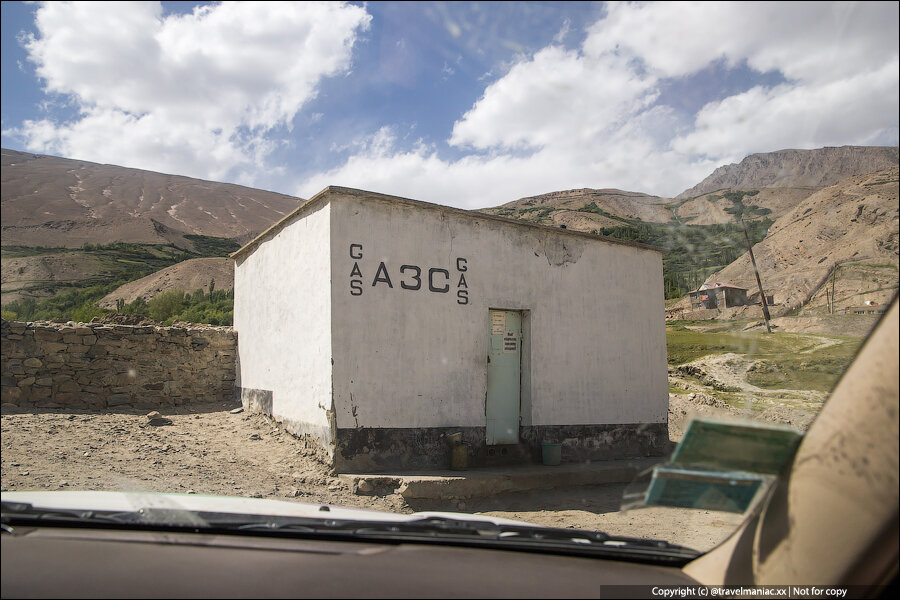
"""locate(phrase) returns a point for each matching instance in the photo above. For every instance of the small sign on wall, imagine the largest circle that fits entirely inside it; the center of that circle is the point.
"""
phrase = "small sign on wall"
(510, 343)
(498, 323)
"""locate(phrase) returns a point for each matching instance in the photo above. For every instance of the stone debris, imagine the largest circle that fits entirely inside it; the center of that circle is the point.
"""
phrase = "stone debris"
(237, 410)
(364, 487)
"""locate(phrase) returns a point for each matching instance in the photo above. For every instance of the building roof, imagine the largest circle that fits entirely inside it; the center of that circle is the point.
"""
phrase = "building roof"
(712, 286)
(329, 192)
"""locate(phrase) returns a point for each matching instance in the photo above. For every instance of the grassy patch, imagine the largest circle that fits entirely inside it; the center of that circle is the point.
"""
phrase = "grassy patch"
(738, 400)
(814, 371)
(205, 245)
(788, 360)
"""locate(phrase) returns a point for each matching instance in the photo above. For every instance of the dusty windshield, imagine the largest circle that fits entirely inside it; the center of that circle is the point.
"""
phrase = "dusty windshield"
(488, 258)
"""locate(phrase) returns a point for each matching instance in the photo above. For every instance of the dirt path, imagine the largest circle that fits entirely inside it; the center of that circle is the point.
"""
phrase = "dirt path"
(824, 342)
(209, 450)
(203, 450)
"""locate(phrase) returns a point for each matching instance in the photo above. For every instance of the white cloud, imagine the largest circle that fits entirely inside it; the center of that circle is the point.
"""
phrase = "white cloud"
(803, 40)
(196, 94)
(557, 97)
(628, 160)
(847, 111)
(596, 116)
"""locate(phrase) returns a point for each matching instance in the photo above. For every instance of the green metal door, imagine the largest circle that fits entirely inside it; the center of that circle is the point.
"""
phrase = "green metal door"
(504, 365)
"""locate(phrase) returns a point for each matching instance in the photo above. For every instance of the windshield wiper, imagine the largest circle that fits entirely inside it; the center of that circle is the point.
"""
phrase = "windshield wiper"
(22, 511)
(524, 537)
(431, 529)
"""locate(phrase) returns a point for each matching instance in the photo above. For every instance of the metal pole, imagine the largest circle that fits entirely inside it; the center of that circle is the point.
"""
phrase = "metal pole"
(762, 294)
(833, 273)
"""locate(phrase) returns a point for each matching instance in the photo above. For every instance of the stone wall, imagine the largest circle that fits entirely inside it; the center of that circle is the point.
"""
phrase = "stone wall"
(100, 366)
(750, 311)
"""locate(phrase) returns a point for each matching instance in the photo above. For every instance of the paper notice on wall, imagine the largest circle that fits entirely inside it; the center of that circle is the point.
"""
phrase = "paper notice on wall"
(510, 343)
(498, 323)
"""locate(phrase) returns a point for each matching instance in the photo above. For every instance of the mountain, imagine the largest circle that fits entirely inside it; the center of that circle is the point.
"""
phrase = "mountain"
(851, 226)
(78, 229)
(50, 201)
(796, 169)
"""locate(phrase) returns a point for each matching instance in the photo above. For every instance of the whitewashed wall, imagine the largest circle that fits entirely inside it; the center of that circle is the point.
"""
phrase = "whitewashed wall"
(282, 314)
(408, 358)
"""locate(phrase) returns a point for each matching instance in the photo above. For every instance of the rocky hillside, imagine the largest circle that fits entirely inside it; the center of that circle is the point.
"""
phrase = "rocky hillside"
(51, 201)
(587, 209)
(797, 169)
(188, 276)
(851, 226)
(725, 206)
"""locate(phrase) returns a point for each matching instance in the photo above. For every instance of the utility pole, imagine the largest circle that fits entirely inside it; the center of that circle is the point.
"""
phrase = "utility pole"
(833, 273)
(762, 294)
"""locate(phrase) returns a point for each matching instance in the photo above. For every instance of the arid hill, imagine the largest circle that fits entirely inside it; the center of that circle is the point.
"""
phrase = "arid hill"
(188, 276)
(797, 169)
(713, 208)
(851, 226)
(20, 274)
(51, 201)
(586, 209)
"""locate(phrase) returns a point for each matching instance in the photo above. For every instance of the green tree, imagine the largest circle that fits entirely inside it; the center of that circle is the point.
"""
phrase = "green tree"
(166, 304)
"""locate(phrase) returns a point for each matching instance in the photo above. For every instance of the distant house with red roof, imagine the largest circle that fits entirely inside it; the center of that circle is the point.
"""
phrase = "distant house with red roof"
(717, 295)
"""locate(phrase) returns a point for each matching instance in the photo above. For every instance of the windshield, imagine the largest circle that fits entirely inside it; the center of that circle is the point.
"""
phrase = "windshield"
(484, 258)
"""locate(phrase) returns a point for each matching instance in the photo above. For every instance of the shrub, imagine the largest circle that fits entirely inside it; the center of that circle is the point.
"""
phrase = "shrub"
(86, 312)
(166, 304)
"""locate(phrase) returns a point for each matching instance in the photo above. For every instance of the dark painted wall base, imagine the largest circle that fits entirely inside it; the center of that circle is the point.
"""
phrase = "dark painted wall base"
(373, 450)
(408, 449)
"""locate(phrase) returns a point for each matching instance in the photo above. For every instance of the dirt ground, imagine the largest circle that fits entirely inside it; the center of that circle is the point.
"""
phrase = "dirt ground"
(210, 450)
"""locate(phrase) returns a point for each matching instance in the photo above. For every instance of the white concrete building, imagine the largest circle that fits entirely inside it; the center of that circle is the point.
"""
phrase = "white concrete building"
(377, 324)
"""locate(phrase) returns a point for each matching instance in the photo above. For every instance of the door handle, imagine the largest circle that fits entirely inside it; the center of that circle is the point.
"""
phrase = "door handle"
(489, 359)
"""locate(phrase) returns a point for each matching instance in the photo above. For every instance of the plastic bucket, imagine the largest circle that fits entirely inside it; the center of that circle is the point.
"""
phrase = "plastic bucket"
(551, 454)
(459, 457)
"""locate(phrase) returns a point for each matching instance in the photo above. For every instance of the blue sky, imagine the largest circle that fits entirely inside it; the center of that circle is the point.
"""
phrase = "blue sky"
(463, 103)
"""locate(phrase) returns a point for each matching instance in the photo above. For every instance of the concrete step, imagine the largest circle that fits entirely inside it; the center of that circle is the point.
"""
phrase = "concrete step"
(488, 481)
